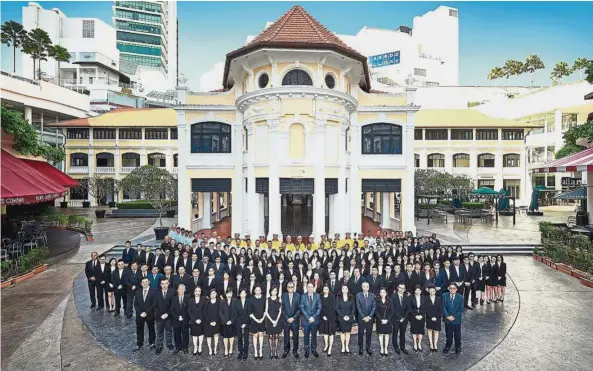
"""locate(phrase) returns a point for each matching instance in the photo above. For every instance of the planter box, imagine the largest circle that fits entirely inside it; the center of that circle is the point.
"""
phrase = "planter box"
(564, 269)
(24, 277)
(535, 213)
(553, 265)
(6, 284)
(587, 282)
(40, 269)
(578, 273)
(537, 257)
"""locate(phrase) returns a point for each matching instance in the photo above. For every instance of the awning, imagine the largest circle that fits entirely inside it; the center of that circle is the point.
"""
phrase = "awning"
(577, 194)
(581, 161)
(22, 184)
(52, 173)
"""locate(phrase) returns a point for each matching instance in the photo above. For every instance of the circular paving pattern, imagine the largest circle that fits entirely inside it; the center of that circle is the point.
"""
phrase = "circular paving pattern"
(482, 330)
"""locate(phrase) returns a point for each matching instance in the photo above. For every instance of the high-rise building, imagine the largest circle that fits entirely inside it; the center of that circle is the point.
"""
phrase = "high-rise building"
(147, 36)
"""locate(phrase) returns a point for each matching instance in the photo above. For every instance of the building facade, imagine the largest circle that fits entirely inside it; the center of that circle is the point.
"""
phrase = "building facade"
(298, 139)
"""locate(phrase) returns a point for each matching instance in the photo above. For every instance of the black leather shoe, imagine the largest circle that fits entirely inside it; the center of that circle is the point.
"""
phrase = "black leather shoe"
(446, 350)
(185, 351)
(369, 352)
(397, 351)
(285, 354)
(116, 314)
(314, 352)
(405, 352)
(152, 346)
(360, 352)
(137, 348)
(175, 351)
(159, 351)
(99, 308)
(306, 354)
(92, 306)
(296, 355)
(457, 350)
(240, 357)
(170, 347)
(245, 355)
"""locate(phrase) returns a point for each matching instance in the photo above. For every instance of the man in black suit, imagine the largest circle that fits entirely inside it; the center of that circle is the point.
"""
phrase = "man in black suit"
(400, 304)
(147, 257)
(416, 278)
(345, 281)
(375, 281)
(180, 320)
(162, 310)
(159, 260)
(102, 275)
(128, 255)
(219, 267)
(203, 251)
(332, 283)
(118, 277)
(407, 276)
(139, 253)
(175, 261)
(144, 306)
(185, 260)
(290, 319)
(194, 281)
(290, 271)
(180, 279)
(476, 273)
(355, 283)
(132, 278)
(90, 270)
(193, 263)
(388, 278)
(204, 266)
(365, 309)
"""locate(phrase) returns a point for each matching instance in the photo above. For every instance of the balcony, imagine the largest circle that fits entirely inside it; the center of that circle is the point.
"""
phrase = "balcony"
(439, 169)
(486, 170)
(512, 171)
(78, 170)
(128, 169)
(461, 170)
(105, 170)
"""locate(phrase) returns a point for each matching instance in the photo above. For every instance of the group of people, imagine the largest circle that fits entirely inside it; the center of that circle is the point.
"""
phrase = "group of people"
(231, 288)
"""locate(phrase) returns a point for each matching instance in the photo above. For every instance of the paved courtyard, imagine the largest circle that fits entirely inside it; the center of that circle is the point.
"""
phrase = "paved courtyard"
(544, 323)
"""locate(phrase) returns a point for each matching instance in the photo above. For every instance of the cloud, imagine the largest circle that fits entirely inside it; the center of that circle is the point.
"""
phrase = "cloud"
(212, 79)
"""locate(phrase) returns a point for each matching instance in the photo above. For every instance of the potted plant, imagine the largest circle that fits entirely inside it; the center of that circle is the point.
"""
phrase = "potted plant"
(100, 187)
(158, 187)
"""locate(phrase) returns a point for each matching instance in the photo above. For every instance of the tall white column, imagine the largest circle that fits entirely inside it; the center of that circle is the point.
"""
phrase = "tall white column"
(206, 209)
(498, 181)
(274, 205)
(253, 210)
(354, 182)
(29, 114)
(525, 178)
(385, 210)
(590, 194)
(319, 196)
(339, 215)
(238, 186)
(184, 203)
(407, 194)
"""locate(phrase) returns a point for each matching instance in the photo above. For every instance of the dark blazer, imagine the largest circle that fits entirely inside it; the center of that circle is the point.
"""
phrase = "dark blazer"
(128, 256)
(290, 310)
(142, 306)
(242, 313)
(191, 285)
(467, 272)
(219, 285)
(132, 279)
(179, 310)
(91, 271)
(103, 276)
(162, 304)
(228, 312)
(172, 260)
(457, 277)
(414, 308)
(310, 309)
(365, 308)
(454, 309)
(400, 310)
(415, 280)
(191, 265)
(203, 268)
(435, 310)
(221, 269)
(201, 253)
(116, 280)
(159, 262)
(195, 311)
(375, 284)
(355, 286)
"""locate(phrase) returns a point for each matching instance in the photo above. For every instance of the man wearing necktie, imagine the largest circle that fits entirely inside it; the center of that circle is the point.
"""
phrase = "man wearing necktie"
(365, 307)
(180, 320)
(290, 319)
(310, 306)
(90, 270)
(452, 310)
(144, 306)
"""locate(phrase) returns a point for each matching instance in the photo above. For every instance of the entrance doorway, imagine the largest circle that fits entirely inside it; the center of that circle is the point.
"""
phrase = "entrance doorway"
(297, 215)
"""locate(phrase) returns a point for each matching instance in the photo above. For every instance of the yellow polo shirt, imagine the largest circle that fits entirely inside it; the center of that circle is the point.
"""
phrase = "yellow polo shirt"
(290, 247)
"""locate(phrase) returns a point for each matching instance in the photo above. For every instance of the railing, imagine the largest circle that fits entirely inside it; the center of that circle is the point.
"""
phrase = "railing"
(78, 169)
(127, 169)
(197, 224)
(105, 169)
(461, 170)
(439, 169)
(20, 78)
(175, 170)
(75, 203)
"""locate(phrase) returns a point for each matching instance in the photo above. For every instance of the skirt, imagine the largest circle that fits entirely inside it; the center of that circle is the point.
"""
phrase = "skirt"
(327, 327)
(255, 327)
(433, 325)
(196, 330)
(502, 281)
(417, 326)
(345, 326)
(229, 331)
(271, 330)
(383, 329)
(480, 285)
(210, 331)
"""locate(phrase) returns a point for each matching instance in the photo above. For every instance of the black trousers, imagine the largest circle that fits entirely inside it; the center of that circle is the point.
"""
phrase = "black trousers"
(466, 291)
(401, 328)
(294, 327)
(365, 329)
(140, 322)
(243, 339)
(129, 301)
(181, 334)
(453, 331)
(163, 330)
(92, 291)
(120, 296)
(102, 296)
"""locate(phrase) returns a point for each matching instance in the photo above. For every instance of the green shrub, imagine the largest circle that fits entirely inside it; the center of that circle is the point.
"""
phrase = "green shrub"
(32, 259)
(143, 205)
(472, 205)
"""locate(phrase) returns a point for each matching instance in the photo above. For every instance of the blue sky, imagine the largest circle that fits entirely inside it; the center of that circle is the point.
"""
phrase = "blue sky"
(489, 32)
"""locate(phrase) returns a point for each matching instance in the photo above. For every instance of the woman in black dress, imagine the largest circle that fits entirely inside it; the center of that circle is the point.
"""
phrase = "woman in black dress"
(480, 280)
(257, 326)
(273, 328)
(195, 309)
(383, 323)
(327, 325)
(345, 310)
(228, 317)
(501, 277)
(417, 318)
(433, 308)
(212, 322)
(491, 281)
(242, 323)
(109, 288)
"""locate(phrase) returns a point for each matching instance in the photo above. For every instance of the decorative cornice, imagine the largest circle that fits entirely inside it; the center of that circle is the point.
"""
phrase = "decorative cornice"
(249, 126)
(197, 107)
(296, 92)
(273, 124)
(320, 125)
(388, 108)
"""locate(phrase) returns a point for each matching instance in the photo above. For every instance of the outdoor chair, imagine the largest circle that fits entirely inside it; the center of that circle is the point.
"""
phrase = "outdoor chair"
(16, 250)
(5, 243)
(4, 255)
(29, 245)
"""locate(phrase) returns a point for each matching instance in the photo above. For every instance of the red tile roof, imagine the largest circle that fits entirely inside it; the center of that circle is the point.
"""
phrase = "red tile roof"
(297, 29)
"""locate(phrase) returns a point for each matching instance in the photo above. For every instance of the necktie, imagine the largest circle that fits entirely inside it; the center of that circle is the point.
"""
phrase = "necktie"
(144, 295)
(164, 294)
(400, 300)
(452, 299)
(180, 300)
(311, 299)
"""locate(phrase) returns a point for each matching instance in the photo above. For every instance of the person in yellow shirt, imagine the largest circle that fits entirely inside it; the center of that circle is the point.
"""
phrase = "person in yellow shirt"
(348, 240)
(312, 242)
(337, 240)
(276, 243)
(289, 245)
(262, 242)
(299, 245)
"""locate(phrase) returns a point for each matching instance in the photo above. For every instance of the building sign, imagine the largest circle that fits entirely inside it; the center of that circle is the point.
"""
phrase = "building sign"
(383, 60)
(571, 182)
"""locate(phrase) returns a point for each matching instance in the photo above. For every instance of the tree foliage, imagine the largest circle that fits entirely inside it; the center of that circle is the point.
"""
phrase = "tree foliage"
(572, 135)
(429, 182)
(26, 140)
(60, 54)
(13, 34)
(37, 44)
(153, 184)
(533, 63)
(589, 72)
(560, 71)
(99, 187)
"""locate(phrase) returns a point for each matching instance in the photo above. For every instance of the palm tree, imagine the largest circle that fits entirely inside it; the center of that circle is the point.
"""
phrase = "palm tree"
(37, 44)
(512, 67)
(533, 63)
(13, 34)
(560, 71)
(589, 72)
(60, 54)
(495, 74)
(580, 65)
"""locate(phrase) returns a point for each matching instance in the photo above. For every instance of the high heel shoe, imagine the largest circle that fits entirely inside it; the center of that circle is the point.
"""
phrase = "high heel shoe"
(415, 347)
(419, 348)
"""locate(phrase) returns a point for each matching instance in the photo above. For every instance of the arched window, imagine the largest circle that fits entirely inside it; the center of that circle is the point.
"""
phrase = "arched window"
(104, 159)
(511, 160)
(297, 77)
(436, 160)
(382, 138)
(211, 137)
(157, 160)
(130, 159)
(486, 160)
(461, 160)
(79, 159)
(296, 141)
